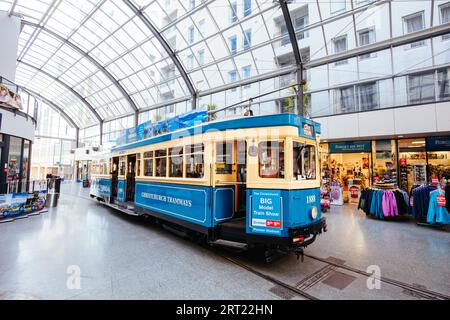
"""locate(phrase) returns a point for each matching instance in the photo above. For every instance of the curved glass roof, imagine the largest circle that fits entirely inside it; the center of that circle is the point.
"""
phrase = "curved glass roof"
(100, 59)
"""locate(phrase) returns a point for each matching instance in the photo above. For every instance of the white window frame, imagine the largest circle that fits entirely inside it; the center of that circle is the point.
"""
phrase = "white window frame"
(445, 37)
(340, 10)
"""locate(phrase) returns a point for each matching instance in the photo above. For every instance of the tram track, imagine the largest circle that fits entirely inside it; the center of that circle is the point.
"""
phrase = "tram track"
(424, 293)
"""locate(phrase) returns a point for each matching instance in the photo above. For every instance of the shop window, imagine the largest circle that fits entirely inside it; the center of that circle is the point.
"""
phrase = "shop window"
(195, 166)
(340, 45)
(385, 162)
(413, 163)
(304, 161)
(176, 162)
(15, 153)
(160, 163)
(271, 159)
(148, 164)
(421, 87)
(224, 157)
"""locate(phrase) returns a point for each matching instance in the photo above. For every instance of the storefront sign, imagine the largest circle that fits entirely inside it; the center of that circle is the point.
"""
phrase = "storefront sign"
(350, 147)
(266, 212)
(438, 143)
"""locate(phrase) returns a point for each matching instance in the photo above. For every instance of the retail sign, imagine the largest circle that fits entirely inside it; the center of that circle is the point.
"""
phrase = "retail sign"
(438, 143)
(266, 212)
(350, 147)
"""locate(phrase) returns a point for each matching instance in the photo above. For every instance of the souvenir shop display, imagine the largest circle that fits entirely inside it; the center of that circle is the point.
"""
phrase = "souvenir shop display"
(337, 194)
(354, 190)
(325, 189)
(383, 203)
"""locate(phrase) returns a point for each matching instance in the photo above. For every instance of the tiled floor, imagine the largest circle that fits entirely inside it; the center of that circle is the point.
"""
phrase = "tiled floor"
(122, 257)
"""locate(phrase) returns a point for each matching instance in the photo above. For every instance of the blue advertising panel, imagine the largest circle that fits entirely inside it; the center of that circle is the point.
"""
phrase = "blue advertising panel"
(186, 203)
(148, 130)
(131, 135)
(438, 143)
(141, 132)
(121, 191)
(266, 212)
(350, 147)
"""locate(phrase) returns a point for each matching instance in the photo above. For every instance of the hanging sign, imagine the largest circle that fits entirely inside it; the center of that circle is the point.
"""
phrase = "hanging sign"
(441, 200)
(350, 147)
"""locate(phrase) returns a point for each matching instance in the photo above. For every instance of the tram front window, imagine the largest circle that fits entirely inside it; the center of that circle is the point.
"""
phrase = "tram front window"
(161, 163)
(271, 159)
(176, 162)
(304, 161)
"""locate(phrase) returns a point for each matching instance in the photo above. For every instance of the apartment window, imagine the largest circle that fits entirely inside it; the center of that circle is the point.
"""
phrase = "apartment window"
(201, 26)
(340, 45)
(190, 62)
(247, 7)
(421, 87)
(337, 6)
(191, 4)
(300, 24)
(191, 34)
(444, 83)
(232, 42)
(247, 39)
(232, 77)
(345, 100)
(233, 12)
(201, 57)
(445, 17)
(246, 72)
(366, 37)
(414, 23)
(368, 96)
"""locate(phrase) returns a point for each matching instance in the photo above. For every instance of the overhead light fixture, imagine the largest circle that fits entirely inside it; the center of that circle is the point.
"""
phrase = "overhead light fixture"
(418, 142)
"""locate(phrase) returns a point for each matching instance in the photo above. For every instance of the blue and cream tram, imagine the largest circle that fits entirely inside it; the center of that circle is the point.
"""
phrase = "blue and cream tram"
(241, 182)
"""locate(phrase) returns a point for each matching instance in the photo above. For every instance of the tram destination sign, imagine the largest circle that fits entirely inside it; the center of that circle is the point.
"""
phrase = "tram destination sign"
(267, 217)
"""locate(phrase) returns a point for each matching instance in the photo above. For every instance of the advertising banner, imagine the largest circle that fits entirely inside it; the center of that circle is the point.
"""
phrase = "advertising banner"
(266, 212)
(121, 191)
(17, 204)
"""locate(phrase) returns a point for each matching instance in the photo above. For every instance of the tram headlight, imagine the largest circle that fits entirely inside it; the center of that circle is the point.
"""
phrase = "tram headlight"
(314, 212)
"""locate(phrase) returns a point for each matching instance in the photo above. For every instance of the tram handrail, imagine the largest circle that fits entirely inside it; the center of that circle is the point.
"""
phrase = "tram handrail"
(230, 183)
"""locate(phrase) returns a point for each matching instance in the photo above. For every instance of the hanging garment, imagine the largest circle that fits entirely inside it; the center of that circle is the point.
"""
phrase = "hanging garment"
(401, 204)
(447, 197)
(389, 204)
(437, 212)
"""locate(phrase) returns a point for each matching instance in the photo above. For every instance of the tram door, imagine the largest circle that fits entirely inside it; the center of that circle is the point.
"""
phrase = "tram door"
(131, 177)
(114, 178)
(241, 178)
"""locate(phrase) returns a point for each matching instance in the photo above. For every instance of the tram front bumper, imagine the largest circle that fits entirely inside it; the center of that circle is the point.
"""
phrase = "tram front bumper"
(304, 236)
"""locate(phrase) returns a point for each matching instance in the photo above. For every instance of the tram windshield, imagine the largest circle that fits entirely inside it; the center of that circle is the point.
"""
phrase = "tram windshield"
(304, 161)
(271, 159)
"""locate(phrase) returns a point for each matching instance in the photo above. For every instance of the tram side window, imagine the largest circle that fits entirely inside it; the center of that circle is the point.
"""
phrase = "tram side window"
(304, 161)
(161, 163)
(271, 159)
(176, 162)
(122, 164)
(195, 167)
(148, 164)
(224, 157)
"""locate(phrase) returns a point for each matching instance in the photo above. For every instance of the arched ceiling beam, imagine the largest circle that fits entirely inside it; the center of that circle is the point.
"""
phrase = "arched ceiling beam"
(166, 47)
(90, 58)
(69, 88)
(53, 105)
(291, 32)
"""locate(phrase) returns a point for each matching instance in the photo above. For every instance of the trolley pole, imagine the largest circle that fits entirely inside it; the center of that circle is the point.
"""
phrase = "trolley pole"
(298, 59)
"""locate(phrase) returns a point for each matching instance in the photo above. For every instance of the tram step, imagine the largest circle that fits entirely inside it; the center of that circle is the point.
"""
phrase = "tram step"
(230, 244)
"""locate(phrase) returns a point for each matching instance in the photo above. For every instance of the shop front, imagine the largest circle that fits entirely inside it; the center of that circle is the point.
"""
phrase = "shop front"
(349, 170)
(348, 167)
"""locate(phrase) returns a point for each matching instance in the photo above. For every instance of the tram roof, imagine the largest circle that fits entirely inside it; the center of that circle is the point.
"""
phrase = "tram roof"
(307, 128)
